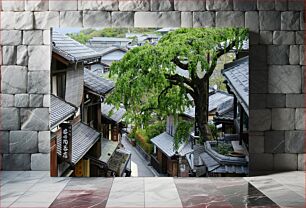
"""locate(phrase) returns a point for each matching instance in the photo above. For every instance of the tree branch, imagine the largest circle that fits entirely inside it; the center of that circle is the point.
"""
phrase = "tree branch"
(177, 62)
(219, 54)
(164, 91)
(179, 78)
(188, 90)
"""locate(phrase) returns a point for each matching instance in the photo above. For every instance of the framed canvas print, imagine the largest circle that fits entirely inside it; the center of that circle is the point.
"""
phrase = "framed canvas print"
(149, 102)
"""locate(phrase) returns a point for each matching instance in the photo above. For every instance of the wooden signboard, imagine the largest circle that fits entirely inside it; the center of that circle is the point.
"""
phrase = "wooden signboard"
(66, 149)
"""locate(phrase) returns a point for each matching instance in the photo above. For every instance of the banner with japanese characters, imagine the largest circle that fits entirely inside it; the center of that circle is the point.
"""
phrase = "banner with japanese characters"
(66, 141)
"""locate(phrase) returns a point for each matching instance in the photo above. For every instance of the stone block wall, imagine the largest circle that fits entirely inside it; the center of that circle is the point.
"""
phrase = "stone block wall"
(277, 126)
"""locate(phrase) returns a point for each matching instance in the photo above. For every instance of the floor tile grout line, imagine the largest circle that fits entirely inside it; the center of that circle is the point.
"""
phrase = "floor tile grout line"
(267, 193)
(25, 191)
(290, 187)
(282, 185)
(61, 190)
(13, 178)
(110, 190)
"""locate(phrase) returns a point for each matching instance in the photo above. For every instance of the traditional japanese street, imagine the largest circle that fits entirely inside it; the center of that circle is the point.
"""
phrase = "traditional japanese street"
(139, 165)
(101, 126)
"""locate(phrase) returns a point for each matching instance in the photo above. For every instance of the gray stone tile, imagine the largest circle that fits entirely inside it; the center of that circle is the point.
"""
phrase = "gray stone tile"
(56, 184)
(277, 192)
(285, 162)
(157, 184)
(40, 198)
(127, 199)
(16, 161)
(163, 198)
(275, 141)
(128, 185)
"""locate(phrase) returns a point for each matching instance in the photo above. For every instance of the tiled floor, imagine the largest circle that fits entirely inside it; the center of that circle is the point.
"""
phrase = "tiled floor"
(37, 189)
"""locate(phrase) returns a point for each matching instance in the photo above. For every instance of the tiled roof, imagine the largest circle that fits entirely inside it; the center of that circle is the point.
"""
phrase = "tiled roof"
(108, 149)
(111, 49)
(118, 162)
(112, 54)
(96, 83)
(217, 163)
(60, 110)
(112, 112)
(83, 138)
(226, 110)
(215, 99)
(109, 39)
(165, 143)
(225, 106)
(215, 167)
(237, 169)
(210, 162)
(223, 159)
(226, 116)
(70, 49)
(237, 75)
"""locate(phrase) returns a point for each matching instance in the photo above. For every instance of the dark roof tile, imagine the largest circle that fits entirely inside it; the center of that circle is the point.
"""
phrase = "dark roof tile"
(70, 49)
(83, 138)
(112, 113)
(96, 83)
(237, 75)
(60, 110)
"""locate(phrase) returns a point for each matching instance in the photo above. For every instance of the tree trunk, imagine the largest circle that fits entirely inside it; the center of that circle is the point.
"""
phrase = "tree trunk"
(201, 109)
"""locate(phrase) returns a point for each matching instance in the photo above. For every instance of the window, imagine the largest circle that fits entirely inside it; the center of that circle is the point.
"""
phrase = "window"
(58, 86)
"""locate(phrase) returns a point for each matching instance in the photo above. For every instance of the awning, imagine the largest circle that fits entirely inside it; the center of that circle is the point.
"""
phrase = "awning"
(107, 150)
(165, 142)
(83, 138)
(118, 162)
(60, 110)
(72, 50)
(112, 113)
(97, 84)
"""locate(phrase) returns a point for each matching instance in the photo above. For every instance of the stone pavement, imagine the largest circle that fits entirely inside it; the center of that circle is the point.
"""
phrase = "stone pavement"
(37, 189)
(139, 165)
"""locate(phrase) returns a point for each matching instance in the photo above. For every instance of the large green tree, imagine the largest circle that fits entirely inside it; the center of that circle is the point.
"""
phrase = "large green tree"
(148, 81)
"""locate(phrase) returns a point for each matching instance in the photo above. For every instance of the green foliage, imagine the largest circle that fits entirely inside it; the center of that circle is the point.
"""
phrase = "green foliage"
(182, 133)
(217, 78)
(84, 35)
(143, 136)
(81, 37)
(219, 81)
(213, 130)
(224, 148)
(143, 141)
(133, 133)
(155, 129)
(144, 75)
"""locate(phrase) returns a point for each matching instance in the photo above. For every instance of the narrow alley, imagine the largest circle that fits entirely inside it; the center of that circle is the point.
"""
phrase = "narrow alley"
(139, 165)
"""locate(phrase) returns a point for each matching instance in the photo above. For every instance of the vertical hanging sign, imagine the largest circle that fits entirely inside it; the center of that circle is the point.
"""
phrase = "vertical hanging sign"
(66, 141)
